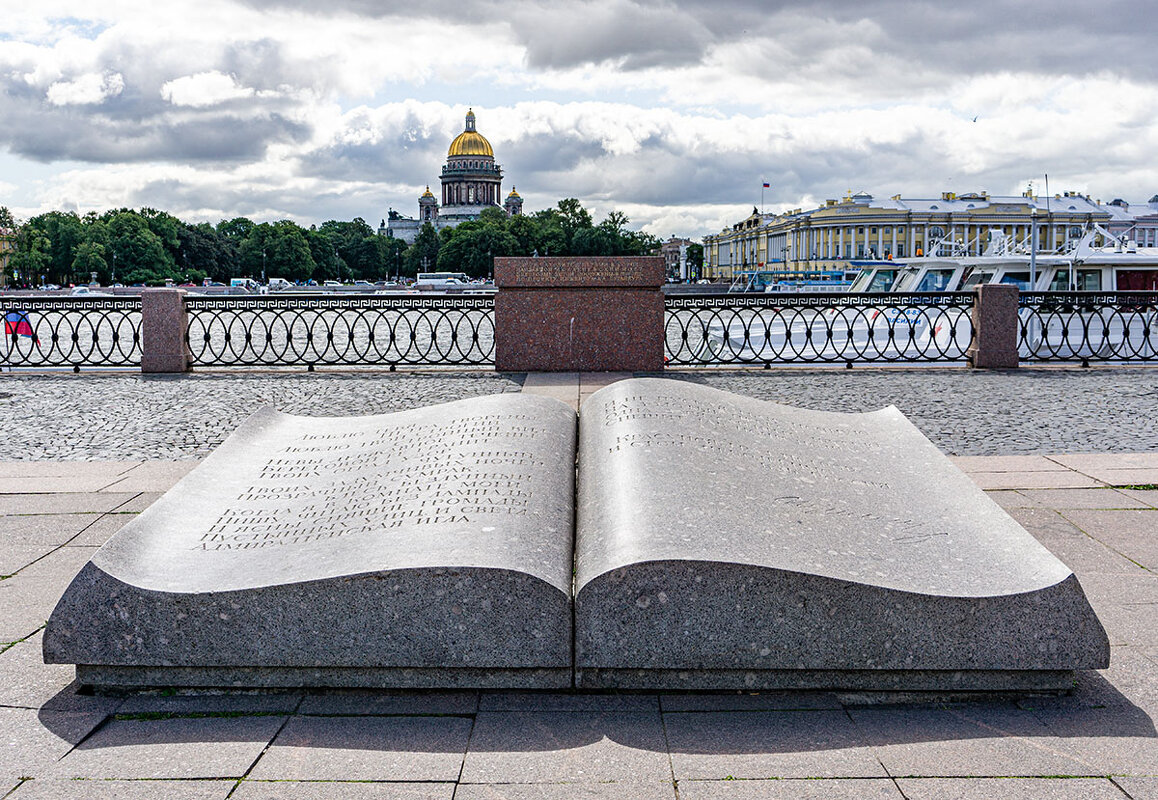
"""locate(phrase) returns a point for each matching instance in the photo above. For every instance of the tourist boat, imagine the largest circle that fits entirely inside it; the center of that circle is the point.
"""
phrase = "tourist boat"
(1082, 266)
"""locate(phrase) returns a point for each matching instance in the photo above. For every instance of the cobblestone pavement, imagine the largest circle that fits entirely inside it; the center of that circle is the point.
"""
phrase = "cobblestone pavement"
(131, 416)
(964, 412)
(975, 412)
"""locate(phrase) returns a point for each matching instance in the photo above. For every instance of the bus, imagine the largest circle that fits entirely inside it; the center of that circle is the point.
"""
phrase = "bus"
(440, 280)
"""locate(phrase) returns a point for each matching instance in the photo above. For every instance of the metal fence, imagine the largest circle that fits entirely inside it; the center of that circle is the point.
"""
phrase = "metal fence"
(310, 330)
(1087, 326)
(818, 328)
(71, 331)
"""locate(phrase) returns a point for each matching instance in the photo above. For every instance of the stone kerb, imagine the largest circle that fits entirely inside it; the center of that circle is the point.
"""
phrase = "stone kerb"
(597, 314)
(995, 327)
(164, 321)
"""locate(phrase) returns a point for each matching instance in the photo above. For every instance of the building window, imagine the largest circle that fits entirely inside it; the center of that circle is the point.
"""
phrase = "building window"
(874, 231)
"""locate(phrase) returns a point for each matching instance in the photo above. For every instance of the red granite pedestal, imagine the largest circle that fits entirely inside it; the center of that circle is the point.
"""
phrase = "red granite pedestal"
(589, 314)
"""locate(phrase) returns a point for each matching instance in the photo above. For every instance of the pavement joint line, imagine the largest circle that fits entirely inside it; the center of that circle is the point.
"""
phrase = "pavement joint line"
(288, 716)
(5, 646)
(466, 749)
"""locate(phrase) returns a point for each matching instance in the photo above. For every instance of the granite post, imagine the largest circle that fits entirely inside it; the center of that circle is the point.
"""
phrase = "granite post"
(164, 322)
(591, 314)
(995, 327)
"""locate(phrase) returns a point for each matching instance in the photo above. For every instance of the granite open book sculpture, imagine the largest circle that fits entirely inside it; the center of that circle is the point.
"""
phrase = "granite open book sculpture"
(715, 541)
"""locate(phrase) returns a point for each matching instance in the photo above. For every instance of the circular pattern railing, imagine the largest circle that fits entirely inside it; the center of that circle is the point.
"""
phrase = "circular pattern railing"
(817, 328)
(291, 331)
(70, 332)
(1088, 326)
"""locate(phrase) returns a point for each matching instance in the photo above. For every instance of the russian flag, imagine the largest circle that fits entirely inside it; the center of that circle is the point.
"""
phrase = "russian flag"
(767, 186)
(16, 323)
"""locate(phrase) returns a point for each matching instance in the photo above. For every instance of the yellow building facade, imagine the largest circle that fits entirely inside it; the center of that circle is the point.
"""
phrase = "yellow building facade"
(859, 228)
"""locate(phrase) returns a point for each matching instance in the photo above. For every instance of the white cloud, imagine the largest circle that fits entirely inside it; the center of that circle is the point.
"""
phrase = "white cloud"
(203, 89)
(86, 90)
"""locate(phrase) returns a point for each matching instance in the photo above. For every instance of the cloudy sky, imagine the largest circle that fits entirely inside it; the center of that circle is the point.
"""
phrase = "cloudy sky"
(673, 113)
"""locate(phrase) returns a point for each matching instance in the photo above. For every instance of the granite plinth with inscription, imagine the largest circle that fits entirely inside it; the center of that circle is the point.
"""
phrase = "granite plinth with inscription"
(726, 542)
(579, 313)
(424, 548)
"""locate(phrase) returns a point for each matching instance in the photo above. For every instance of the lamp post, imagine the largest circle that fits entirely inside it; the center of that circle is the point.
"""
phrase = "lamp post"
(263, 265)
(114, 280)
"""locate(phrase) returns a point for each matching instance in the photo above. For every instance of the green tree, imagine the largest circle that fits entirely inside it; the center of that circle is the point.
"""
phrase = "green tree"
(573, 217)
(473, 248)
(31, 257)
(695, 257)
(139, 255)
(90, 260)
(422, 256)
(550, 238)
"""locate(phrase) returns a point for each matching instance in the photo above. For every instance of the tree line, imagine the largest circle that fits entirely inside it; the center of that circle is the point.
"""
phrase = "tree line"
(148, 246)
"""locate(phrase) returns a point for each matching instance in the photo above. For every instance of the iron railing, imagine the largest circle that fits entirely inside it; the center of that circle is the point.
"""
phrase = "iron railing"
(70, 331)
(818, 328)
(1088, 326)
(309, 330)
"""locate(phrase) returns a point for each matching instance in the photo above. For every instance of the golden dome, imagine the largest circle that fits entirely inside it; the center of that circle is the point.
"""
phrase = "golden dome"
(470, 142)
(428, 193)
(514, 194)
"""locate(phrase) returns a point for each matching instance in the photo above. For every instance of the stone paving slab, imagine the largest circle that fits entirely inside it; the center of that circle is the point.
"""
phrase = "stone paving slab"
(1007, 464)
(64, 503)
(27, 682)
(1082, 498)
(1076, 549)
(391, 702)
(122, 790)
(973, 741)
(567, 747)
(151, 476)
(331, 790)
(1009, 789)
(1134, 534)
(567, 791)
(554, 701)
(1033, 480)
(14, 558)
(37, 529)
(1140, 788)
(28, 597)
(180, 747)
(1128, 477)
(58, 485)
(367, 749)
(854, 789)
(31, 741)
(64, 469)
(1147, 496)
(768, 744)
(1090, 463)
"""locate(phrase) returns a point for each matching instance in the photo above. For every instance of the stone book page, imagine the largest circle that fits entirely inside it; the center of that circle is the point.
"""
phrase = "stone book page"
(438, 538)
(718, 532)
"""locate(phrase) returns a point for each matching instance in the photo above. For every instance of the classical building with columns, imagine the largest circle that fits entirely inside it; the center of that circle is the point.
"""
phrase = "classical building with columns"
(471, 182)
(860, 227)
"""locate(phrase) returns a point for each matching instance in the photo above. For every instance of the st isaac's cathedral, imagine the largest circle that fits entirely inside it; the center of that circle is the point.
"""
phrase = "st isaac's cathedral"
(471, 182)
